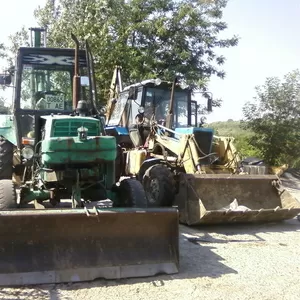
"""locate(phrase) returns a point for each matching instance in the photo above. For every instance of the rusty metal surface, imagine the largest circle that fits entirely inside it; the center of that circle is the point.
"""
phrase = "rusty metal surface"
(223, 198)
(51, 246)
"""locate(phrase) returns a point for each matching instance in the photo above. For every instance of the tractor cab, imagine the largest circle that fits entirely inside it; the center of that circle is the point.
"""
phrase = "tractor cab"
(148, 102)
(43, 86)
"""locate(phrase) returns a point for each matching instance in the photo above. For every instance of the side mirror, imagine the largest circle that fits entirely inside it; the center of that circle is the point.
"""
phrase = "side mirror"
(5, 79)
(132, 95)
(84, 81)
(209, 104)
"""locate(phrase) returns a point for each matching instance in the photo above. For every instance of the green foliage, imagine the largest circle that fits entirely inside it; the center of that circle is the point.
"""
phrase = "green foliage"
(274, 116)
(148, 38)
(242, 136)
(16, 40)
(4, 108)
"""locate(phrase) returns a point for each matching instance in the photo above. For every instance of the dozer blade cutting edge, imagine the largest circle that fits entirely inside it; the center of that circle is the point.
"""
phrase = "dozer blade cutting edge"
(70, 245)
(225, 198)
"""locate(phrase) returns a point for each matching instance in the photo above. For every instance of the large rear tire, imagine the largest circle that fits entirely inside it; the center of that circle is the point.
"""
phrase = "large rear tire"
(8, 195)
(6, 159)
(159, 185)
(132, 194)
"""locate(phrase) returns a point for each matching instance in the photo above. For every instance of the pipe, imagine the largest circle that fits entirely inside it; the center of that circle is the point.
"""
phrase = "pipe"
(76, 77)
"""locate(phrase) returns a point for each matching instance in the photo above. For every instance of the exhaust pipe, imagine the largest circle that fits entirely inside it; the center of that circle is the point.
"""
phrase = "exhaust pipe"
(76, 77)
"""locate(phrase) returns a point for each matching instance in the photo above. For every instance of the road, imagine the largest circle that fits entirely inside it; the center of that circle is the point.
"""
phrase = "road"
(228, 262)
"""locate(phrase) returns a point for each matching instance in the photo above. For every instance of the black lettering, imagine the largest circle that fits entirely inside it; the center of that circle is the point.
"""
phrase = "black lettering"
(59, 106)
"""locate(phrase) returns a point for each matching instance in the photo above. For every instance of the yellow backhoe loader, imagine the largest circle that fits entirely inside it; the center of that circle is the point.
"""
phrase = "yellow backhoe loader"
(181, 163)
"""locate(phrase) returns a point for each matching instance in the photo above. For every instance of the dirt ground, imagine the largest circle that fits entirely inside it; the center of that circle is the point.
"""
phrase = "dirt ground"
(231, 262)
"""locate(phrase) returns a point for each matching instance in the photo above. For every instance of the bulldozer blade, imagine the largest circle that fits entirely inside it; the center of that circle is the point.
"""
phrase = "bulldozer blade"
(226, 198)
(71, 245)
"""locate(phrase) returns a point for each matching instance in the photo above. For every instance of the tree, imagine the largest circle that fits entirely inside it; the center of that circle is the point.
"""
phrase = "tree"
(148, 38)
(19, 39)
(274, 117)
(5, 109)
(2, 50)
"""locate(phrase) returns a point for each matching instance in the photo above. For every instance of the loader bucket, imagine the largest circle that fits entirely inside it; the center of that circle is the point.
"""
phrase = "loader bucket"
(70, 245)
(226, 198)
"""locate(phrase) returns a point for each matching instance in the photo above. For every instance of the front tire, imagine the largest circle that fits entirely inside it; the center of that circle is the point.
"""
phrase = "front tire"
(159, 184)
(8, 195)
(132, 194)
(6, 159)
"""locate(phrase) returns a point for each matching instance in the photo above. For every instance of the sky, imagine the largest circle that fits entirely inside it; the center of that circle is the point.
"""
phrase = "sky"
(269, 46)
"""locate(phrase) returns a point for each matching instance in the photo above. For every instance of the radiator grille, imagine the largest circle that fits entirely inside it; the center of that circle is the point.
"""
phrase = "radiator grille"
(66, 128)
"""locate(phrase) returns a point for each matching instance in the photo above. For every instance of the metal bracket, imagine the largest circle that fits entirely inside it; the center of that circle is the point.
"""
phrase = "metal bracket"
(92, 212)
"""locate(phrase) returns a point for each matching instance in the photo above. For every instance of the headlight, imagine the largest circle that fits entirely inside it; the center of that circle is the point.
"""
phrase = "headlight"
(141, 110)
(27, 152)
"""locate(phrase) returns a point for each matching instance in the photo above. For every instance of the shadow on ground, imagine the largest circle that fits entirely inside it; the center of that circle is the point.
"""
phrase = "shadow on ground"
(196, 260)
(254, 228)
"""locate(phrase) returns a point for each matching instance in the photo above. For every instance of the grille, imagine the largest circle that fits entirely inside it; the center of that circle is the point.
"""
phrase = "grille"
(66, 128)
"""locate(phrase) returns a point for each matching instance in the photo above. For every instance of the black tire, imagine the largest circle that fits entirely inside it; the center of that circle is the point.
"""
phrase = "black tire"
(6, 159)
(132, 194)
(159, 185)
(8, 195)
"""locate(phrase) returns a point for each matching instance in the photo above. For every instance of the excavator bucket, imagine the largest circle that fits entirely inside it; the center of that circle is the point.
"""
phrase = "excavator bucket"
(70, 245)
(226, 198)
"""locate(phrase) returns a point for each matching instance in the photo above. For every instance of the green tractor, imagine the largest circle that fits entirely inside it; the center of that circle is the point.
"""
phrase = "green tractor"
(54, 149)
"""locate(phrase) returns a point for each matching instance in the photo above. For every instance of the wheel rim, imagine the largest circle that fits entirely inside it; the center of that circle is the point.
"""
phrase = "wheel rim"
(153, 191)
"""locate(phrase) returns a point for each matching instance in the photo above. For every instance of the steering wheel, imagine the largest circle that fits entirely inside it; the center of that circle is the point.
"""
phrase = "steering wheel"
(140, 119)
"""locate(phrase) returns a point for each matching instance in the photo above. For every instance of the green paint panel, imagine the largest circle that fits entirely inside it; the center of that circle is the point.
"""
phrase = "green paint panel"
(72, 150)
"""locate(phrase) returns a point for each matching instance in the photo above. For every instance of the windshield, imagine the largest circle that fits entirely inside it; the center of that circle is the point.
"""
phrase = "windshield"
(118, 109)
(157, 101)
(48, 87)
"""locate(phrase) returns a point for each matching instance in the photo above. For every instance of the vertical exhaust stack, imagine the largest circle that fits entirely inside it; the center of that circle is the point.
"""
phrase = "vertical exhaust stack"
(169, 119)
(76, 77)
(36, 40)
